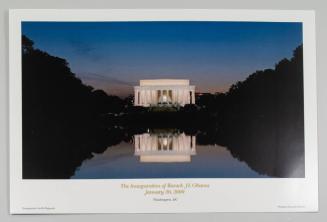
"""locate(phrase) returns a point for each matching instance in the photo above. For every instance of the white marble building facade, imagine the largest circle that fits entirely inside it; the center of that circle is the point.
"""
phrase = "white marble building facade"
(164, 92)
(164, 147)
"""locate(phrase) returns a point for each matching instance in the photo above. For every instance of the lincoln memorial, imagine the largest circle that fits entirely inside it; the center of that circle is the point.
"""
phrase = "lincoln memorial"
(164, 92)
(164, 147)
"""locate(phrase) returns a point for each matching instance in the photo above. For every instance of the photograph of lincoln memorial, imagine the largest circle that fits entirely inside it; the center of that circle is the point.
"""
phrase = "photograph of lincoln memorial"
(164, 92)
(162, 100)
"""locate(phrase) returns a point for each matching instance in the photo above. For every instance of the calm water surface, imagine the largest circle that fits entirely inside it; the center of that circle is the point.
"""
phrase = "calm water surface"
(164, 155)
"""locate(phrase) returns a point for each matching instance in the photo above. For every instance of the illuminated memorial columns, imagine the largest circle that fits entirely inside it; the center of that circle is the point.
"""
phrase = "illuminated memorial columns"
(164, 92)
(164, 147)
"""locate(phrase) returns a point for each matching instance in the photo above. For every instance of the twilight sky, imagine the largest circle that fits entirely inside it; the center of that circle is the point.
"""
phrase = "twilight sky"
(113, 56)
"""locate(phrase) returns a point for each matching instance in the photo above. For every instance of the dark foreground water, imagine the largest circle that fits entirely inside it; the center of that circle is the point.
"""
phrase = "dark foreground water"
(164, 155)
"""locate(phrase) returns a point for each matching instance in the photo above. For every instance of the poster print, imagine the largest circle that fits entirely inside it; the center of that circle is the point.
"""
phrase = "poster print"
(163, 109)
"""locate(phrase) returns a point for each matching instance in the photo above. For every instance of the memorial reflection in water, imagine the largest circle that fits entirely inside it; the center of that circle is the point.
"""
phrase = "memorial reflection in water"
(164, 146)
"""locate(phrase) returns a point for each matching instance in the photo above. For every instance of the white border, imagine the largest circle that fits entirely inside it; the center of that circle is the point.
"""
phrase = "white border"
(106, 196)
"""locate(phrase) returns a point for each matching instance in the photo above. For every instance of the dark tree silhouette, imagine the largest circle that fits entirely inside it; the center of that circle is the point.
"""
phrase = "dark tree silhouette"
(263, 119)
(61, 116)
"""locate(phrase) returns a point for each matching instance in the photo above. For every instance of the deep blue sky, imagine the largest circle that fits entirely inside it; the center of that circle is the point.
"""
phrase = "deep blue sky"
(114, 55)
